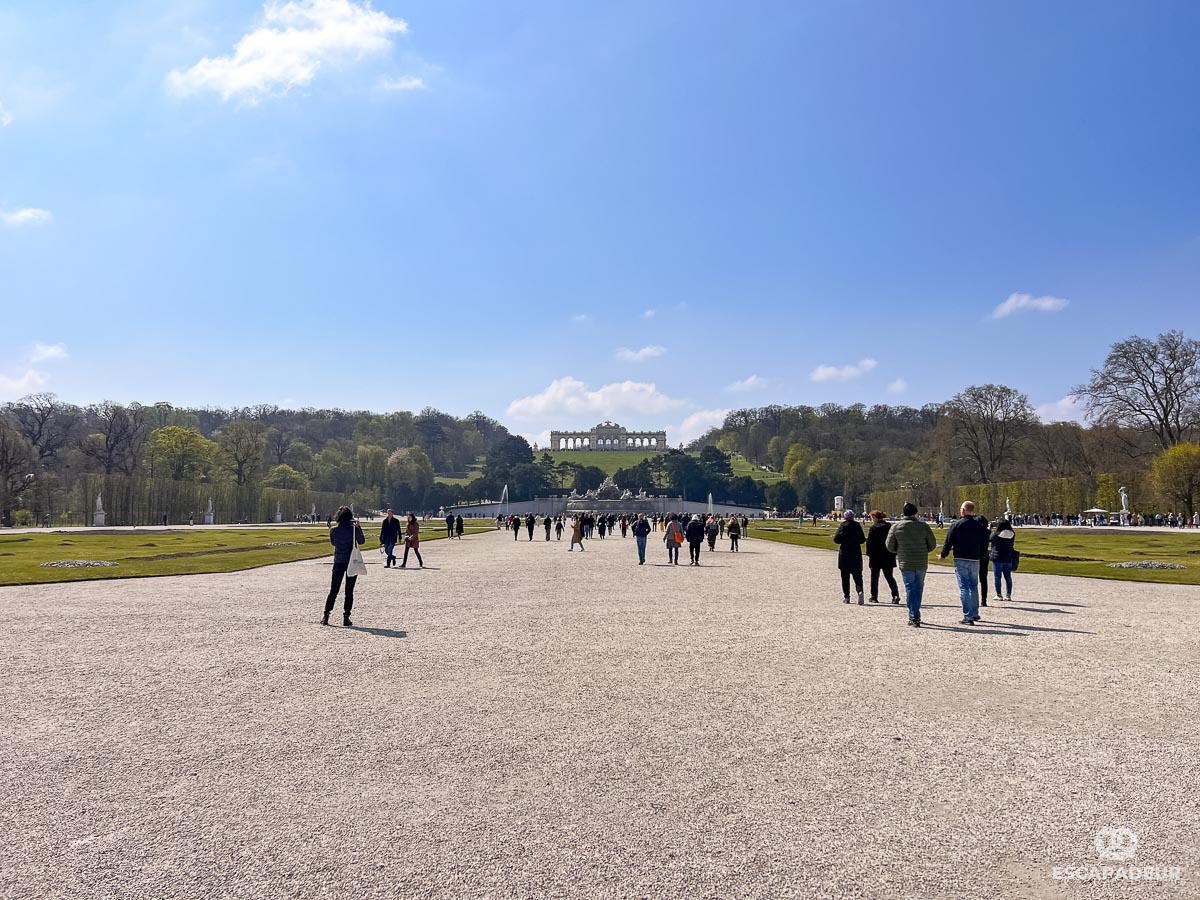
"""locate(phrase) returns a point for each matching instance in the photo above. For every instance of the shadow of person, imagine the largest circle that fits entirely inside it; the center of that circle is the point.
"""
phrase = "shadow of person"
(378, 632)
(973, 629)
(1024, 628)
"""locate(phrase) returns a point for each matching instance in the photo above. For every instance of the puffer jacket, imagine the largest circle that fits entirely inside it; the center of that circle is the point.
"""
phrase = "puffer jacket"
(343, 537)
(912, 541)
(1002, 540)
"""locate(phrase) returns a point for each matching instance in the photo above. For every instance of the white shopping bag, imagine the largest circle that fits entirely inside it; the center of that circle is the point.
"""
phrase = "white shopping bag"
(357, 565)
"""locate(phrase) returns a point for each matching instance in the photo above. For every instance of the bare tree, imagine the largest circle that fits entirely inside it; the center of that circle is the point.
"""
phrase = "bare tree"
(120, 435)
(16, 464)
(1148, 386)
(242, 443)
(989, 424)
(44, 421)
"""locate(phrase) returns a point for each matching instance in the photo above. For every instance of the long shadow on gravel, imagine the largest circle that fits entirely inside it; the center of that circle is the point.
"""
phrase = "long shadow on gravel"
(1039, 628)
(973, 629)
(378, 632)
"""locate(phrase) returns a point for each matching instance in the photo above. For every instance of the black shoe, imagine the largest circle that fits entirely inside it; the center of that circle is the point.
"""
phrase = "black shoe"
(983, 602)
(325, 619)
(346, 623)
(914, 623)
(895, 601)
(873, 600)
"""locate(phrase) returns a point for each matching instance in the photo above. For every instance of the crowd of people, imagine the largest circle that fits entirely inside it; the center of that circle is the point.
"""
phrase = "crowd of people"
(676, 530)
(975, 543)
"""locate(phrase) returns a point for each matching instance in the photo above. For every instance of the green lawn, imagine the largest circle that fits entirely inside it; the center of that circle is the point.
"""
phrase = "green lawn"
(148, 552)
(1062, 551)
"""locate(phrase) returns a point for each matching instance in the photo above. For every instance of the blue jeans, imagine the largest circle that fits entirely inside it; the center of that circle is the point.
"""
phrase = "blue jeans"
(967, 571)
(390, 546)
(914, 589)
(641, 545)
(1006, 568)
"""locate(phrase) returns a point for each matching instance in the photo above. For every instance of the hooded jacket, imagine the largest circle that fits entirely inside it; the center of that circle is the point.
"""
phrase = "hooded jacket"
(1002, 540)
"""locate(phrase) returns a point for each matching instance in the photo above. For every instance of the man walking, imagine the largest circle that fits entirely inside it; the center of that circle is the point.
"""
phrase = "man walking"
(641, 530)
(450, 525)
(389, 536)
(967, 540)
(912, 541)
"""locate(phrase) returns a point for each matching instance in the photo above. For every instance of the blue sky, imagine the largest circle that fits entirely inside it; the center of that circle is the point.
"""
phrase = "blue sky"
(481, 205)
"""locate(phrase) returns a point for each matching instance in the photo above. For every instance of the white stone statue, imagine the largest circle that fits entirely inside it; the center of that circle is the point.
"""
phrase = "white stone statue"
(278, 512)
(1008, 509)
(1124, 499)
(208, 513)
(98, 517)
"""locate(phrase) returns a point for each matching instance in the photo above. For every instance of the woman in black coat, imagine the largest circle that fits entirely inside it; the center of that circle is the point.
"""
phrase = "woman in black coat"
(880, 558)
(344, 535)
(850, 539)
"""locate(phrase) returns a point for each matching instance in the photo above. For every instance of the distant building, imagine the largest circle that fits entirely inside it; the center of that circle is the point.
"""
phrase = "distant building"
(609, 436)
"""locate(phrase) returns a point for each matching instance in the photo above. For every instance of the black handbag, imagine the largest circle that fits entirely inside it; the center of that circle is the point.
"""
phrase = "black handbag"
(1016, 559)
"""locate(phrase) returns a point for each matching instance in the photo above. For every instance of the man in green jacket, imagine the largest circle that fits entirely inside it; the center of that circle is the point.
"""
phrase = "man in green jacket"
(912, 541)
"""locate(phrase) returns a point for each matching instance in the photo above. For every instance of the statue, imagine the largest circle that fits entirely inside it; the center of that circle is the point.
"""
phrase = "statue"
(208, 513)
(1008, 509)
(626, 494)
(608, 490)
(278, 512)
(98, 516)
(1124, 499)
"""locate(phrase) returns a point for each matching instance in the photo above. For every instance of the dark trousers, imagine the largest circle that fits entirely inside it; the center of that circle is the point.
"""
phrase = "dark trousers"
(389, 547)
(733, 543)
(891, 581)
(857, 573)
(983, 578)
(404, 559)
(339, 570)
(694, 550)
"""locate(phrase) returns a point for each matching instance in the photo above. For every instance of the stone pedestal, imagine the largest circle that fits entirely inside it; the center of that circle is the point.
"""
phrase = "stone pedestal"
(278, 514)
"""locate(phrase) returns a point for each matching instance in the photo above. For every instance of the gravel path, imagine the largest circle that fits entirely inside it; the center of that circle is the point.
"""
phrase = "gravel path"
(520, 721)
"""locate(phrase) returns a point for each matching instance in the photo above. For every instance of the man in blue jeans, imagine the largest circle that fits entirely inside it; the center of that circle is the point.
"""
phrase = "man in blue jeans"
(967, 539)
(641, 531)
(912, 541)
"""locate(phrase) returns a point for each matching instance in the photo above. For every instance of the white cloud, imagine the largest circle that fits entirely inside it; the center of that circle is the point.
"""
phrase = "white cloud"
(570, 397)
(899, 386)
(650, 314)
(404, 83)
(695, 425)
(42, 352)
(293, 41)
(649, 352)
(27, 216)
(1018, 302)
(842, 373)
(5, 117)
(13, 388)
(541, 439)
(1068, 409)
(582, 319)
(753, 383)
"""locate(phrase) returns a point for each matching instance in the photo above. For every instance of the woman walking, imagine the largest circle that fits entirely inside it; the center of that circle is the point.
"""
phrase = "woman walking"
(673, 537)
(880, 558)
(412, 541)
(712, 530)
(576, 533)
(734, 529)
(1002, 555)
(343, 536)
(850, 539)
(694, 532)
(458, 527)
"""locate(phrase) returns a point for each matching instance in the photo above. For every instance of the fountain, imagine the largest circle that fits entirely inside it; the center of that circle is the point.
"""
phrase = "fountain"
(609, 498)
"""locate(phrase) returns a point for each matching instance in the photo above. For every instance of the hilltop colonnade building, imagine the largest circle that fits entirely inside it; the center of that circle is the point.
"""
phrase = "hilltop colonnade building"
(608, 436)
